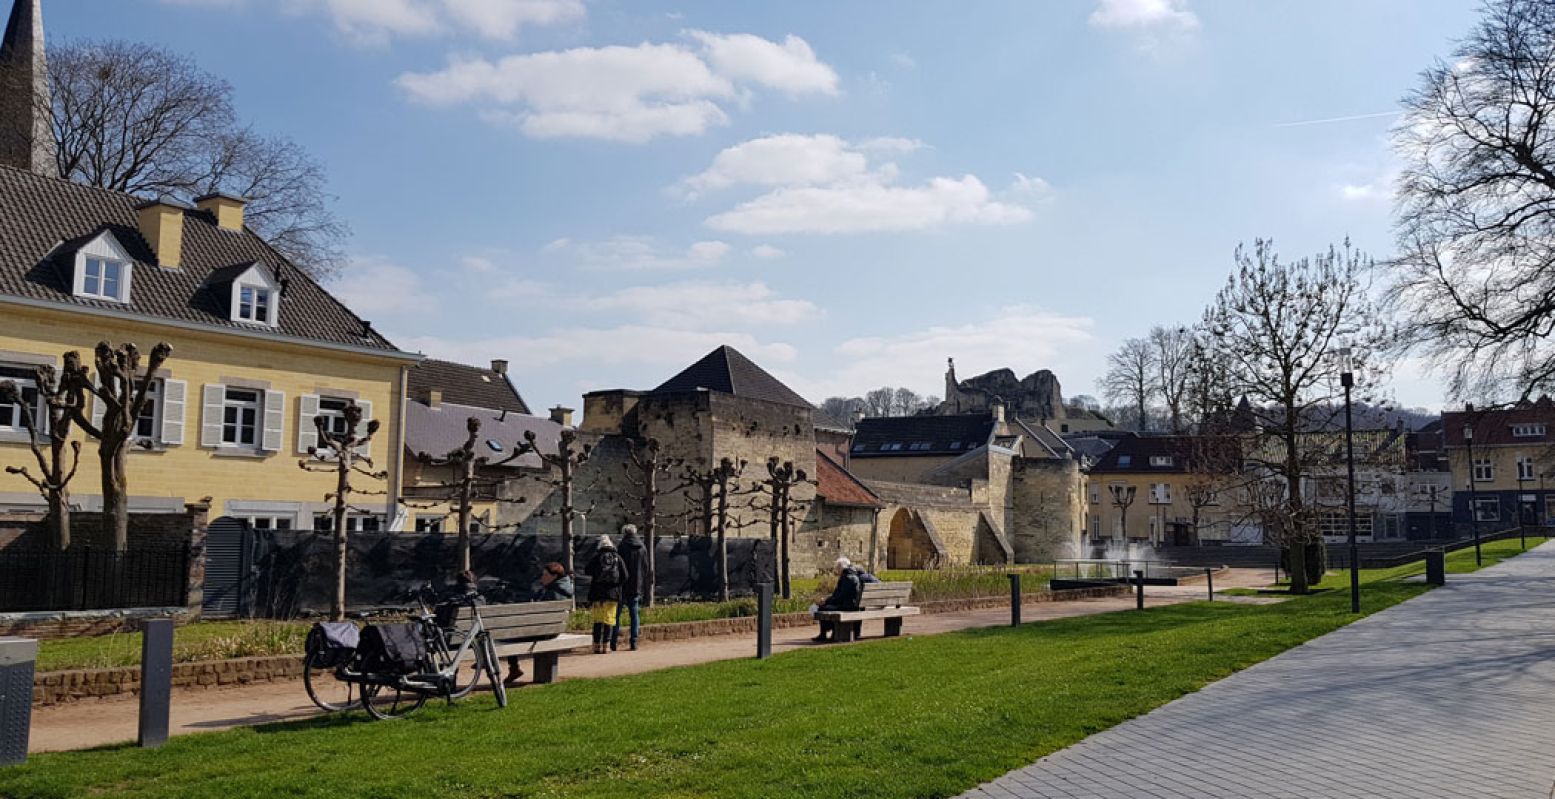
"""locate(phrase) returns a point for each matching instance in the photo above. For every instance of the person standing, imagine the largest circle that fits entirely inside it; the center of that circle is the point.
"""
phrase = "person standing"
(632, 557)
(606, 574)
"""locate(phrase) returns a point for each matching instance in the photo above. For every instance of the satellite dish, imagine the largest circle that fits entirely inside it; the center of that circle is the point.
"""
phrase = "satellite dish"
(494, 445)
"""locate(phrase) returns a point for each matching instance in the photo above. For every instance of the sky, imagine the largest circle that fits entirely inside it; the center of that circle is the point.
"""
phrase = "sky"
(601, 191)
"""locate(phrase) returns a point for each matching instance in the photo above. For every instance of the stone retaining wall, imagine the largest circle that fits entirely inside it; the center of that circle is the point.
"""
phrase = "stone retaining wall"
(56, 687)
(46, 624)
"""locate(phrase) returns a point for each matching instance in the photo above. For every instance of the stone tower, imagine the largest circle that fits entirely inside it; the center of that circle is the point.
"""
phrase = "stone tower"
(26, 133)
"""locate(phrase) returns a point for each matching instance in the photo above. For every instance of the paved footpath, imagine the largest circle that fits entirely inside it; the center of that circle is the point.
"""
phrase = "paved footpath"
(94, 723)
(1451, 694)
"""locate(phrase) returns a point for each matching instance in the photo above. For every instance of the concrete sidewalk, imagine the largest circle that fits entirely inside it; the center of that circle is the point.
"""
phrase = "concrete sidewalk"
(97, 722)
(1451, 694)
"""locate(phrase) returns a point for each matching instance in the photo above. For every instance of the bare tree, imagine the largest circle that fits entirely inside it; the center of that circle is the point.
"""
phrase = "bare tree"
(1277, 329)
(121, 389)
(1476, 205)
(569, 455)
(61, 396)
(1131, 378)
(467, 484)
(343, 454)
(842, 408)
(1174, 354)
(142, 119)
(781, 509)
(648, 460)
(1122, 497)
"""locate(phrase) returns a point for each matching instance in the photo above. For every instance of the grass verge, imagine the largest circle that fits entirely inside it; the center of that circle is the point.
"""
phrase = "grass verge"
(908, 717)
(1458, 562)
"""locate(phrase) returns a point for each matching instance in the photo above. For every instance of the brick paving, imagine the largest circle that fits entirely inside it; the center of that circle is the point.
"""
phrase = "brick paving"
(1451, 694)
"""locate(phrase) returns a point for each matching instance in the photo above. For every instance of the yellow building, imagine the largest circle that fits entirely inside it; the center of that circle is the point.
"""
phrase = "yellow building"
(259, 350)
(1162, 490)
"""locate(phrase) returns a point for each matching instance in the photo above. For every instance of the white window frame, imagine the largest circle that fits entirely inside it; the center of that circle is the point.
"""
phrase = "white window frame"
(154, 405)
(430, 522)
(23, 385)
(256, 424)
(1160, 493)
(1160, 460)
(1528, 430)
(104, 250)
(270, 521)
(107, 271)
(355, 522)
(1525, 470)
(1484, 470)
(1479, 506)
(254, 304)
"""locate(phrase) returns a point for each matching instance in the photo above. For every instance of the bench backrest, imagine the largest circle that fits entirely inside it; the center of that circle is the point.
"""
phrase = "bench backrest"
(885, 595)
(523, 621)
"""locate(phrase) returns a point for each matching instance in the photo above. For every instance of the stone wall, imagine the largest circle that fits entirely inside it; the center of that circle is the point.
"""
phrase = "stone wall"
(1046, 510)
(57, 687)
(835, 531)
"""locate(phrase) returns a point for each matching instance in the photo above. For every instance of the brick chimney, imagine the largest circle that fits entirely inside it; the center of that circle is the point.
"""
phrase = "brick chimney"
(227, 208)
(435, 398)
(500, 366)
(161, 223)
(562, 416)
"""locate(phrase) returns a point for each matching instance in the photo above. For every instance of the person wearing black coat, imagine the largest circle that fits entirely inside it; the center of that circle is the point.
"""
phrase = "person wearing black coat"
(846, 596)
(606, 575)
(555, 586)
(634, 557)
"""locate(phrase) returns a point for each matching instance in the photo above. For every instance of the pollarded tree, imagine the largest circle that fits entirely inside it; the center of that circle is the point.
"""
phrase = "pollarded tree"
(120, 392)
(1277, 329)
(1476, 221)
(343, 453)
(61, 396)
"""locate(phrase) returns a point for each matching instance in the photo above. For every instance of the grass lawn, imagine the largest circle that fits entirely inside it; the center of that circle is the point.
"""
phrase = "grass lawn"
(1459, 562)
(907, 717)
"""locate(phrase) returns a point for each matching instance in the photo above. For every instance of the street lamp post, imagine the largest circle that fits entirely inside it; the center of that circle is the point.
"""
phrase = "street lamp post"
(1468, 441)
(1347, 379)
(1522, 498)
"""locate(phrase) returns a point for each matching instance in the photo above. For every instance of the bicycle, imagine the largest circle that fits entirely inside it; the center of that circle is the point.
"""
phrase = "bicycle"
(335, 683)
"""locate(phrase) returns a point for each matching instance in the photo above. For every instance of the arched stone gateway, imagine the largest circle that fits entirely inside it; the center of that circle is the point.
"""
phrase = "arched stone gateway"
(909, 544)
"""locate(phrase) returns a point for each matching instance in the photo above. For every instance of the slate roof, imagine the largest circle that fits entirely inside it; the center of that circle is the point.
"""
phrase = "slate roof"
(727, 371)
(437, 431)
(462, 384)
(38, 214)
(839, 487)
(1132, 455)
(921, 435)
(1493, 427)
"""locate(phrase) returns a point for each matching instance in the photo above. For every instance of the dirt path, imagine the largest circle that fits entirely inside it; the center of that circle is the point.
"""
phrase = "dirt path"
(94, 723)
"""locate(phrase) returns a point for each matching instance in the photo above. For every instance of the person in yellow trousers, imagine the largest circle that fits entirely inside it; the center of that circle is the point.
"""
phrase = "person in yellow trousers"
(606, 573)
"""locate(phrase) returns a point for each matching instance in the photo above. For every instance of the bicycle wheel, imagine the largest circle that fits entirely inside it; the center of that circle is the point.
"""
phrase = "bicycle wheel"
(467, 675)
(383, 701)
(489, 650)
(329, 692)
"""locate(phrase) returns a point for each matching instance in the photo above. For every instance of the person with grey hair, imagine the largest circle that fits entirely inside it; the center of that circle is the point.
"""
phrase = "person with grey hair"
(850, 589)
(633, 556)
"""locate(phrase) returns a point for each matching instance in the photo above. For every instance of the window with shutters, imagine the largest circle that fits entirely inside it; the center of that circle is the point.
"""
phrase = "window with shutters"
(240, 417)
(148, 425)
(333, 409)
(26, 380)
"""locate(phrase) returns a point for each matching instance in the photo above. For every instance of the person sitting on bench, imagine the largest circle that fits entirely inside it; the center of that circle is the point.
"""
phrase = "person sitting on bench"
(850, 589)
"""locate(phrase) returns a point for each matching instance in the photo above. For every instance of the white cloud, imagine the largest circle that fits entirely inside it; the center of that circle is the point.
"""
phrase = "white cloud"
(373, 286)
(701, 305)
(644, 253)
(375, 22)
(582, 349)
(822, 184)
(1353, 192)
(478, 263)
(1021, 337)
(1145, 14)
(790, 67)
(904, 61)
(767, 252)
(620, 93)
(869, 208)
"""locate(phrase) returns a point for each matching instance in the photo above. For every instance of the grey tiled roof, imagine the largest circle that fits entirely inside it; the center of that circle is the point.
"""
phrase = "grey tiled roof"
(461, 384)
(921, 435)
(727, 371)
(39, 214)
(437, 431)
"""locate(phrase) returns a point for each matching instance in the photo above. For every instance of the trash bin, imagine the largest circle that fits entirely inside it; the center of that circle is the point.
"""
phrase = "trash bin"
(1436, 567)
(18, 656)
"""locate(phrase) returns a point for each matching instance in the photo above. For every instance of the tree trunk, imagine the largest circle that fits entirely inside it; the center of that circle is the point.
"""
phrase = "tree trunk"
(566, 479)
(1295, 536)
(116, 501)
(465, 481)
(337, 603)
(59, 498)
(777, 514)
(788, 533)
(723, 548)
(650, 527)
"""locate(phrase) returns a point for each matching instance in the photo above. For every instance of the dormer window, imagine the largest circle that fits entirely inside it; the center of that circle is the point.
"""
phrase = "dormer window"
(252, 292)
(102, 270)
(254, 304)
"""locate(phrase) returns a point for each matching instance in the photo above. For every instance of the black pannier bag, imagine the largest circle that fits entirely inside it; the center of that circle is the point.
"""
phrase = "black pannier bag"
(392, 649)
(333, 643)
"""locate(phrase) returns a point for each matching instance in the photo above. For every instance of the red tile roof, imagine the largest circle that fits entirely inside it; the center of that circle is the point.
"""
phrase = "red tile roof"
(839, 487)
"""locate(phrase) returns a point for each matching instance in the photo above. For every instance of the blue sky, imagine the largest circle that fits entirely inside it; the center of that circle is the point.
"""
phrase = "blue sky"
(849, 193)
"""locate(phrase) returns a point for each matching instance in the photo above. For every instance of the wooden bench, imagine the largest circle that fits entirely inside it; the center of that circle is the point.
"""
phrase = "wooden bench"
(886, 601)
(535, 630)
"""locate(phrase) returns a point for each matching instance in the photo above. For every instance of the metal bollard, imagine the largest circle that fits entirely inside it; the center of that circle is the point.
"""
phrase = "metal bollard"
(763, 621)
(156, 681)
(1014, 600)
(1139, 582)
(18, 656)
(1436, 567)
(1209, 580)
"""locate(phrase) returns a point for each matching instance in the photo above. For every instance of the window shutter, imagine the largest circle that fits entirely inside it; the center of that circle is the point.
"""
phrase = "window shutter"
(211, 401)
(367, 415)
(275, 421)
(99, 410)
(307, 432)
(173, 393)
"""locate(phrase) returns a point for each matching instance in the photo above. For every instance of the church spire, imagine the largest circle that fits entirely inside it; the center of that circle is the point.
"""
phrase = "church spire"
(26, 132)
